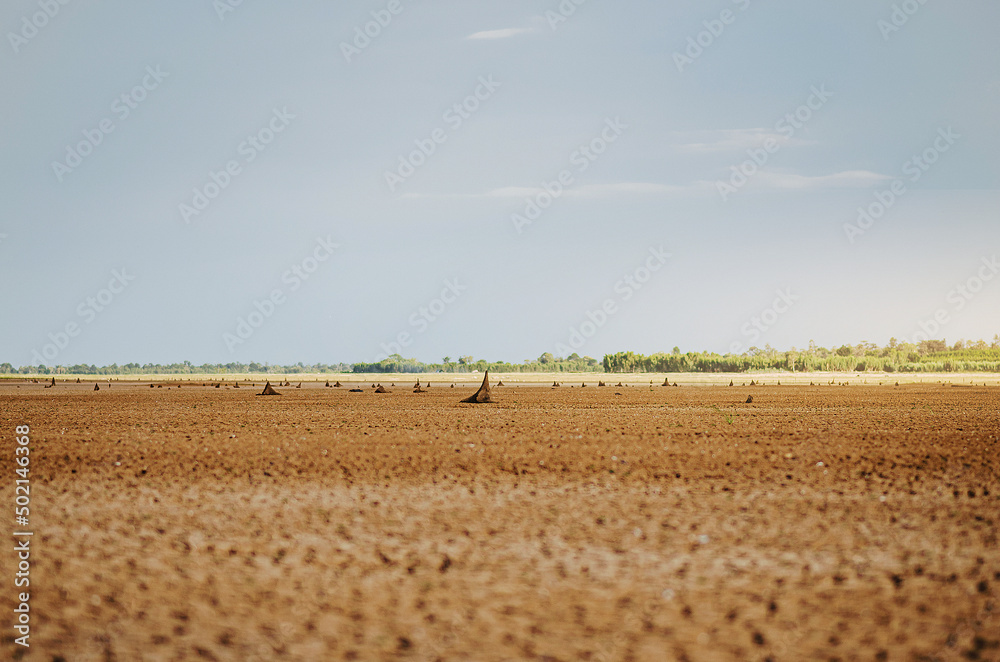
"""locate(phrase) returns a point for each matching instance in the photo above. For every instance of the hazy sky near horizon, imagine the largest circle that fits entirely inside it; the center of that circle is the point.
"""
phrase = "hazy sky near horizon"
(197, 181)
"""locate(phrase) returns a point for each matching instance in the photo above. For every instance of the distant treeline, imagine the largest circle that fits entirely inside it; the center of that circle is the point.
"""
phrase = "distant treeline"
(927, 356)
(393, 364)
(544, 363)
(185, 368)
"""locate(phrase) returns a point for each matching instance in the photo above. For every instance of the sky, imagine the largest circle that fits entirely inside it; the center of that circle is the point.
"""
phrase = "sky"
(335, 182)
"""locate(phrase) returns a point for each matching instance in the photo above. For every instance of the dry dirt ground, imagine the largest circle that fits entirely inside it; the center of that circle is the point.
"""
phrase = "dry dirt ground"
(634, 523)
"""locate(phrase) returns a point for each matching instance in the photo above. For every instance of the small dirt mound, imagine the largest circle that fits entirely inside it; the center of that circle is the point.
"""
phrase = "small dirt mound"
(666, 382)
(749, 399)
(381, 389)
(268, 390)
(483, 394)
(601, 384)
(337, 385)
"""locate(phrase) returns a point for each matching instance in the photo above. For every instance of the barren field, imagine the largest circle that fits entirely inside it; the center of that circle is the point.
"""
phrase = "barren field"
(620, 523)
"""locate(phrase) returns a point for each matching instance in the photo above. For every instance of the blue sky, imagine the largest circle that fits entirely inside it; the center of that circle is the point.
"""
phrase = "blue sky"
(485, 178)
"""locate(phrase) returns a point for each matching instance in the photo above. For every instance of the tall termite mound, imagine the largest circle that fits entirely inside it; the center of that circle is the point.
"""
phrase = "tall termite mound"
(268, 390)
(483, 394)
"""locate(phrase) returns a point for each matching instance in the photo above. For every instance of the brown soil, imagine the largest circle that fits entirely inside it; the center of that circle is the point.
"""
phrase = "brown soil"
(816, 523)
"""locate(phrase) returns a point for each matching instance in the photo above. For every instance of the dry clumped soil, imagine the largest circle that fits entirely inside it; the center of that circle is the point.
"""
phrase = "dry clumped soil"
(616, 523)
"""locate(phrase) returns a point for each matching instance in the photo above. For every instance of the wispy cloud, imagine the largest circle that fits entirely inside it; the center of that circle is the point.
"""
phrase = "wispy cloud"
(725, 140)
(588, 190)
(499, 34)
(765, 179)
(623, 188)
(845, 179)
